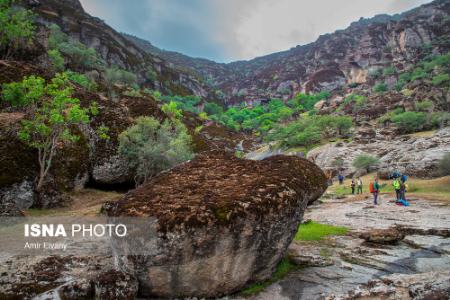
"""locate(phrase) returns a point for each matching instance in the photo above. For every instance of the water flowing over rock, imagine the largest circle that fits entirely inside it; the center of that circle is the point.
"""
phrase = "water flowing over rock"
(222, 222)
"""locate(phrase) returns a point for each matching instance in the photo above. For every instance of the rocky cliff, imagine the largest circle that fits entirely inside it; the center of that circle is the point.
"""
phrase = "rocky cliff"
(333, 62)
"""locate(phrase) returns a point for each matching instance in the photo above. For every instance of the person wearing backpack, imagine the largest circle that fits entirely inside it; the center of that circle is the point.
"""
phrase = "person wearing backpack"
(396, 185)
(374, 188)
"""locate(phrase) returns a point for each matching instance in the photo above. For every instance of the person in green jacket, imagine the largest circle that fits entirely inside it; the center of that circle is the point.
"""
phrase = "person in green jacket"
(397, 187)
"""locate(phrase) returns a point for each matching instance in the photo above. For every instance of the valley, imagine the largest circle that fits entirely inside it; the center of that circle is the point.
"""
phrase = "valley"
(228, 175)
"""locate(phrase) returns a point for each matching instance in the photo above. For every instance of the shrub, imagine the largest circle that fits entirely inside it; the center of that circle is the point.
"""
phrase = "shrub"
(440, 79)
(151, 74)
(444, 165)
(353, 85)
(405, 77)
(380, 87)
(440, 119)
(55, 114)
(410, 121)
(80, 55)
(423, 106)
(82, 80)
(114, 76)
(310, 136)
(151, 147)
(172, 111)
(365, 162)
(375, 73)
(16, 27)
(56, 60)
(132, 93)
(418, 73)
(213, 109)
(389, 71)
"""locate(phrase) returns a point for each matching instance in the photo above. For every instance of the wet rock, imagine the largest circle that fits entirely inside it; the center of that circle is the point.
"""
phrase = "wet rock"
(221, 222)
(383, 236)
(115, 285)
(307, 256)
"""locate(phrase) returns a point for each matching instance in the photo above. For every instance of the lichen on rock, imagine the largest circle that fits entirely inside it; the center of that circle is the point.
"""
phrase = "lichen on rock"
(222, 222)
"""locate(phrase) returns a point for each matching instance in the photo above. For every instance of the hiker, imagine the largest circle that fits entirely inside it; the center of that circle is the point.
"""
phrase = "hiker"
(359, 186)
(396, 185)
(353, 186)
(374, 188)
(403, 187)
(341, 179)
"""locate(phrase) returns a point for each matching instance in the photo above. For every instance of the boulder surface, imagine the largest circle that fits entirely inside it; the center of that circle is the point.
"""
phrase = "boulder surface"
(221, 222)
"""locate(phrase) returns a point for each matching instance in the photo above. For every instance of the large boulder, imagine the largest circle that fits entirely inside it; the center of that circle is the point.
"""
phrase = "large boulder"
(220, 223)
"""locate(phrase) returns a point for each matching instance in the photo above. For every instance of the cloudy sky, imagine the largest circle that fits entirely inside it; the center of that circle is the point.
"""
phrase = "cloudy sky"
(228, 30)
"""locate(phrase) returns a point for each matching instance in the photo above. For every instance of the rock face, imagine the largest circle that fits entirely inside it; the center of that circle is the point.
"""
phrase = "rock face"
(330, 63)
(415, 156)
(222, 222)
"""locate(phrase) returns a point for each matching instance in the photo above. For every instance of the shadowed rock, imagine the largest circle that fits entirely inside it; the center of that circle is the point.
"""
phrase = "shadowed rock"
(221, 222)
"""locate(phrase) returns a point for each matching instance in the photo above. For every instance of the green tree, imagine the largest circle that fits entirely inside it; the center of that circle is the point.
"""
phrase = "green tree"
(410, 121)
(423, 106)
(151, 147)
(16, 27)
(365, 162)
(54, 115)
(172, 111)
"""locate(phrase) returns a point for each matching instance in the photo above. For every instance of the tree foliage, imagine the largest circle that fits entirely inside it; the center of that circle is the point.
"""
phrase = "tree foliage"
(54, 115)
(151, 147)
(16, 27)
(365, 162)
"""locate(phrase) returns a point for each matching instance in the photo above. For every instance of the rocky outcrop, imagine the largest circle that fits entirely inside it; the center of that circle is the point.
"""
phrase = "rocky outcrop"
(383, 236)
(415, 156)
(220, 222)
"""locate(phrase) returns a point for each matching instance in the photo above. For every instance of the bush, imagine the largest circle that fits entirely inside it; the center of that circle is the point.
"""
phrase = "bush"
(375, 73)
(380, 87)
(213, 109)
(423, 106)
(389, 71)
(440, 79)
(16, 27)
(410, 121)
(56, 60)
(310, 136)
(151, 147)
(440, 119)
(115, 75)
(418, 73)
(365, 162)
(444, 165)
(151, 75)
(82, 80)
(80, 55)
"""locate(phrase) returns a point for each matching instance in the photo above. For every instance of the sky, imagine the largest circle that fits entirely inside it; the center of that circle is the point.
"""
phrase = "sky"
(230, 30)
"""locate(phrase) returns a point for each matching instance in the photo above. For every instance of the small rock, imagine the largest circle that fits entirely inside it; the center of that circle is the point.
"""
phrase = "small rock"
(383, 236)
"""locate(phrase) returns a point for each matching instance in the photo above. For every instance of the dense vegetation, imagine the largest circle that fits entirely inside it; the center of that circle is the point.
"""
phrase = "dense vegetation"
(16, 28)
(151, 147)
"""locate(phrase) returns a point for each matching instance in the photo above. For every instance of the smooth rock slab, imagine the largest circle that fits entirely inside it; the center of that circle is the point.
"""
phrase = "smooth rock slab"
(221, 223)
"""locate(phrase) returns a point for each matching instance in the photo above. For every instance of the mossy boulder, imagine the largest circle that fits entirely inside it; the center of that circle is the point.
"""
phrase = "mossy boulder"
(220, 222)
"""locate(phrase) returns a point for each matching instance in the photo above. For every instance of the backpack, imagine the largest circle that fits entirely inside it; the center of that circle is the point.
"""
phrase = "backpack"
(371, 188)
(404, 178)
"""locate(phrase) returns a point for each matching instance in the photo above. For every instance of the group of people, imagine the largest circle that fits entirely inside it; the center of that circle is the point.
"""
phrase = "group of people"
(399, 184)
